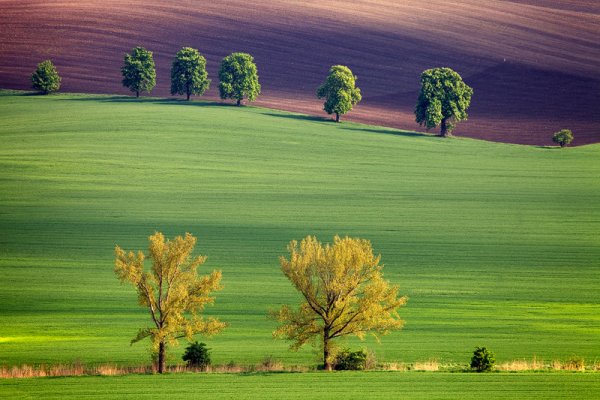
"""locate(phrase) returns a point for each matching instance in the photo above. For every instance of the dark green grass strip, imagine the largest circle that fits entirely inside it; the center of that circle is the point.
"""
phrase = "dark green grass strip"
(358, 386)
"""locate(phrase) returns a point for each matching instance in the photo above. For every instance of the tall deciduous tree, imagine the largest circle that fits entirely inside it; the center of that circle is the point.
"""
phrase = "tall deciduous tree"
(172, 291)
(343, 291)
(443, 100)
(339, 91)
(238, 78)
(188, 73)
(139, 74)
(45, 77)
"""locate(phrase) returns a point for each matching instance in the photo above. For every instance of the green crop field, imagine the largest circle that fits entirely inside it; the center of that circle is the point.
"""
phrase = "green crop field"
(495, 245)
(365, 385)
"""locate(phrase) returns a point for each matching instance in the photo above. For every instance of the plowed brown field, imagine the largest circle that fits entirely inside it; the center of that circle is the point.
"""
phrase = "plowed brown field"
(534, 65)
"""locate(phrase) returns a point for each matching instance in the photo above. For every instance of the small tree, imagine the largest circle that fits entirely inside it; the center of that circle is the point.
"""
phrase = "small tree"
(563, 137)
(138, 71)
(197, 355)
(188, 73)
(482, 360)
(344, 294)
(238, 78)
(339, 91)
(45, 78)
(443, 100)
(172, 290)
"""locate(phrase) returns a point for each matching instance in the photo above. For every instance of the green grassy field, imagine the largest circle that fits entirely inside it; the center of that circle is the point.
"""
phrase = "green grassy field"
(371, 385)
(495, 244)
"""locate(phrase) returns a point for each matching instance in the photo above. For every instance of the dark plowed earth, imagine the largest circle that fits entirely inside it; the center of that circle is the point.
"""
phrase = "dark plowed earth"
(534, 65)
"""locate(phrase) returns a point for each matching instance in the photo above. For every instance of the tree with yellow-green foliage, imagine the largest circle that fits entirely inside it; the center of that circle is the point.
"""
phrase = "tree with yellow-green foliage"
(172, 291)
(343, 291)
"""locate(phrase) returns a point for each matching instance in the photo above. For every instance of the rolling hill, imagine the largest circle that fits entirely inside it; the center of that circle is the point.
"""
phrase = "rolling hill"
(494, 244)
(533, 64)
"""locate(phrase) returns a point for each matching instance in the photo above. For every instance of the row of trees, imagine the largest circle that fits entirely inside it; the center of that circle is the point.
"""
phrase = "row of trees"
(341, 284)
(443, 97)
(238, 74)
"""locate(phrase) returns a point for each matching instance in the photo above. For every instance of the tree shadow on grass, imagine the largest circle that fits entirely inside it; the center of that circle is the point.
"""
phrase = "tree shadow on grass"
(299, 117)
(354, 127)
(389, 131)
(22, 93)
(146, 100)
(192, 103)
(551, 148)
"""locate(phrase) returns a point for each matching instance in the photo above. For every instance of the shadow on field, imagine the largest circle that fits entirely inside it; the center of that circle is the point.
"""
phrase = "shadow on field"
(202, 103)
(147, 100)
(300, 117)
(385, 131)
(313, 118)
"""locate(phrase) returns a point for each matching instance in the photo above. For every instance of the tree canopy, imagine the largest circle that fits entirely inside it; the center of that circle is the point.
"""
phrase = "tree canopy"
(188, 73)
(139, 74)
(339, 91)
(172, 291)
(563, 137)
(238, 78)
(45, 78)
(343, 291)
(443, 99)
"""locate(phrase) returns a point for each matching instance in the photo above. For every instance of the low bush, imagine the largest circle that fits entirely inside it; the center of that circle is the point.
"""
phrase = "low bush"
(348, 360)
(197, 355)
(483, 360)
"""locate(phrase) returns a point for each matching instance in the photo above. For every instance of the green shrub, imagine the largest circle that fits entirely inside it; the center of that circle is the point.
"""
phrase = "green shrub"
(350, 360)
(563, 137)
(197, 355)
(482, 360)
(45, 78)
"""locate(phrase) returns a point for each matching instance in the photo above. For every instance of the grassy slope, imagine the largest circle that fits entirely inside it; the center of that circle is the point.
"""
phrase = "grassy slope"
(311, 385)
(495, 244)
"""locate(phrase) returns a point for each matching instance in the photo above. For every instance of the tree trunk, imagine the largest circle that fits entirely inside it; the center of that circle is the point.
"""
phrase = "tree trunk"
(239, 102)
(162, 362)
(444, 130)
(337, 117)
(326, 361)
(188, 96)
(137, 93)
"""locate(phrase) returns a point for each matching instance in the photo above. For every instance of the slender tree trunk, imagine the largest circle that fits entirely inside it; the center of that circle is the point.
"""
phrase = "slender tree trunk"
(239, 102)
(337, 117)
(137, 93)
(326, 361)
(188, 96)
(444, 130)
(162, 362)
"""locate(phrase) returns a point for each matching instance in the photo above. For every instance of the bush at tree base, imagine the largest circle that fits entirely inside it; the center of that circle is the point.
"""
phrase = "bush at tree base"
(351, 360)
(197, 355)
(482, 360)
